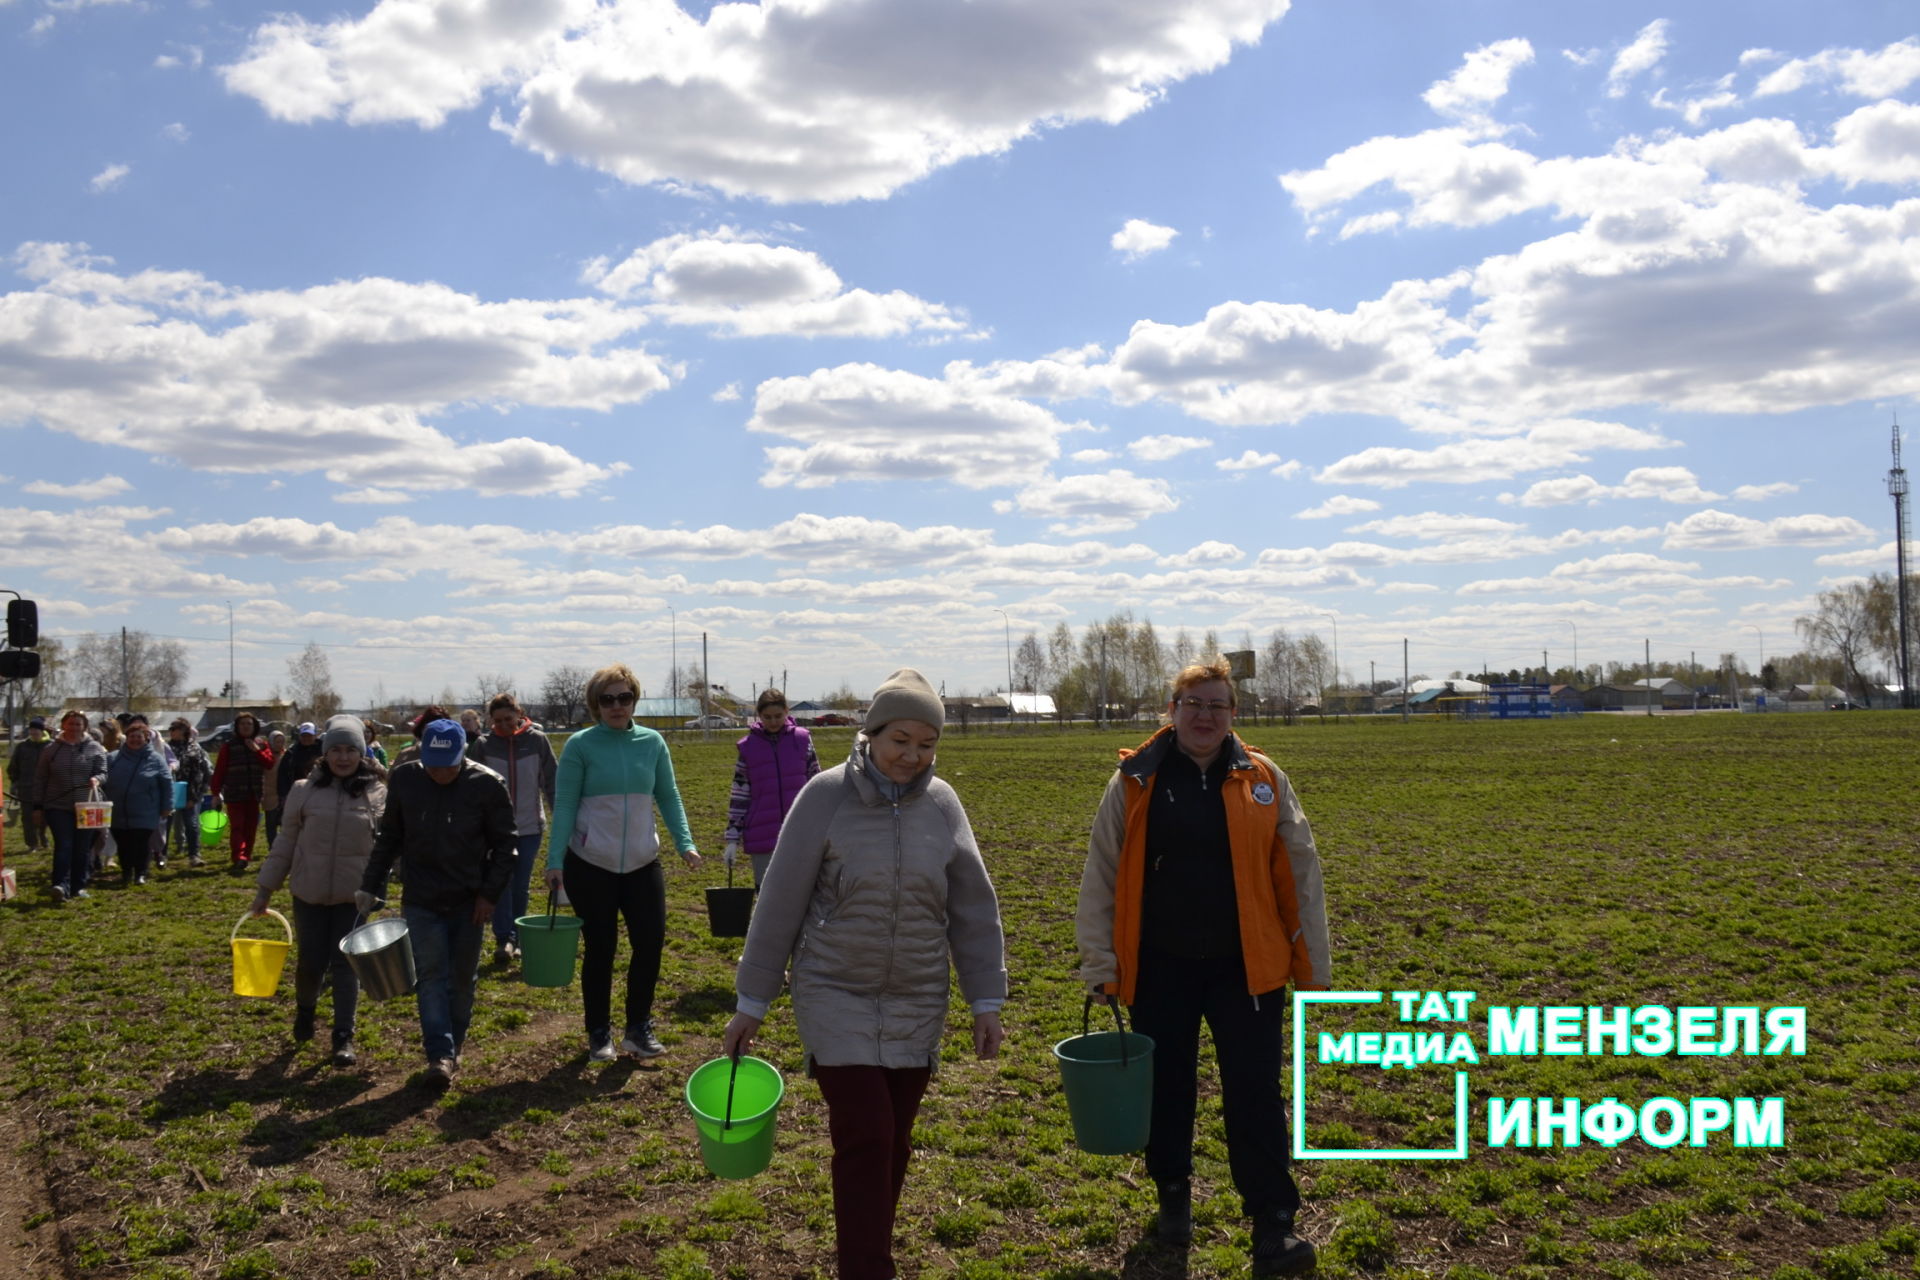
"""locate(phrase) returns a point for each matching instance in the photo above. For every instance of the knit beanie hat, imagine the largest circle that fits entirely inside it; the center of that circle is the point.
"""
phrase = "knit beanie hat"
(905, 695)
(344, 731)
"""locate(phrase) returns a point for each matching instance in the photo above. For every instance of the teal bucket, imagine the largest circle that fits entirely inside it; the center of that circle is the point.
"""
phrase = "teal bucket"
(179, 795)
(548, 945)
(1108, 1080)
(734, 1103)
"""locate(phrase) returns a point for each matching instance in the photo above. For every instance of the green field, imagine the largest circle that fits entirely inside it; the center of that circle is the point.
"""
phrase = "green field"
(156, 1126)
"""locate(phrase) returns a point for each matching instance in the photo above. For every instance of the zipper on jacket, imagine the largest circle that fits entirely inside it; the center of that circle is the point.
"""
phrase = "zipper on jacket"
(893, 922)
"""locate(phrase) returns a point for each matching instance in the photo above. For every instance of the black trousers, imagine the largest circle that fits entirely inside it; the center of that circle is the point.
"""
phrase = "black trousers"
(319, 927)
(1249, 1037)
(601, 899)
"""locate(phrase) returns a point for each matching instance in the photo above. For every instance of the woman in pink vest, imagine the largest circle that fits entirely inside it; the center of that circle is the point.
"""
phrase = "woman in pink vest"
(776, 759)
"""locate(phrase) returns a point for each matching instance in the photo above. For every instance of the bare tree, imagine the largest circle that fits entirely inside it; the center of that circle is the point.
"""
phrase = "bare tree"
(1029, 664)
(1183, 650)
(310, 679)
(1842, 627)
(488, 683)
(564, 691)
(130, 667)
(44, 692)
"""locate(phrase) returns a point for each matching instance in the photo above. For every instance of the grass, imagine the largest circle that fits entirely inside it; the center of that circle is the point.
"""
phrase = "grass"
(163, 1127)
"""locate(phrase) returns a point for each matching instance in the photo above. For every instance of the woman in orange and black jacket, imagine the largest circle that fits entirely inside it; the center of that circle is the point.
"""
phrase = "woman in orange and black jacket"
(1201, 898)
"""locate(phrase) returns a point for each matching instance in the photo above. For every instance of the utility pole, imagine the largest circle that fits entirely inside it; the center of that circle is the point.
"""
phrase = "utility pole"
(1405, 680)
(1649, 652)
(231, 696)
(706, 679)
(126, 674)
(1897, 487)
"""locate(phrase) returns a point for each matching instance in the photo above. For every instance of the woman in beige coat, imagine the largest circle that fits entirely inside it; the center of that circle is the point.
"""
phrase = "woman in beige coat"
(875, 888)
(326, 836)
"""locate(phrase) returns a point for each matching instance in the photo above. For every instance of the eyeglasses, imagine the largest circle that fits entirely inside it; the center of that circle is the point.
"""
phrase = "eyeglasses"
(1216, 706)
(617, 699)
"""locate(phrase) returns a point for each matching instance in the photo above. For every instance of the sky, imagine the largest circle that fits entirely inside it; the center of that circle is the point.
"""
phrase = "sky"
(483, 336)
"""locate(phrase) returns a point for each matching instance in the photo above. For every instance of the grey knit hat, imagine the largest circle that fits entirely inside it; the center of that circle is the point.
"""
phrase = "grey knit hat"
(344, 731)
(905, 695)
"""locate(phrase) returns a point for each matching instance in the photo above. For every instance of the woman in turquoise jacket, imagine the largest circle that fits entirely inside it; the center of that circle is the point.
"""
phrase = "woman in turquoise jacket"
(140, 786)
(613, 778)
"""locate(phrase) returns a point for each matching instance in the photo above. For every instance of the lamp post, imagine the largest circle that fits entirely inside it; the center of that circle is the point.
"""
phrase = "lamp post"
(673, 660)
(1761, 641)
(1336, 655)
(1576, 648)
(1007, 625)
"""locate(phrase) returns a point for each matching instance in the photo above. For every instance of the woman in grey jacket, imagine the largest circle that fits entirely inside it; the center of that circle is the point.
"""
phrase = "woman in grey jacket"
(875, 886)
(326, 836)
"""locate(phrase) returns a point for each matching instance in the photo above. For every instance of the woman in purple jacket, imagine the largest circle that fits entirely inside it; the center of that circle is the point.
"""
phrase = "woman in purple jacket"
(776, 759)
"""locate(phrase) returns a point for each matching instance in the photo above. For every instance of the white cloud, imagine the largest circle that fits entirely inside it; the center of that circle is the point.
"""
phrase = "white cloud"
(863, 422)
(175, 132)
(1643, 55)
(1564, 491)
(1695, 110)
(788, 99)
(373, 497)
(1161, 448)
(337, 378)
(1761, 492)
(1250, 460)
(1435, 524)
(1338, 505)
(1553, 444)
(109, 178)
(1877, 74)
(1210, 552)
(190, 57)
(732, 281)
(727, 394)
(1093, 455)
(1668, 484)
(1140, 238)
(86, 491)
(1713, 530)
(1107, 502)
(1481, 80)
(1882, 557)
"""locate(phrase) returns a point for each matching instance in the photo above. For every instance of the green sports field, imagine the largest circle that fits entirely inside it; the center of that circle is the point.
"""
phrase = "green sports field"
(155, 1125)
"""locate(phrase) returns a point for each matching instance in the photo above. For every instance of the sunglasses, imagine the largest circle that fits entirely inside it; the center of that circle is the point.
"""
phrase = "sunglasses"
(617, 699)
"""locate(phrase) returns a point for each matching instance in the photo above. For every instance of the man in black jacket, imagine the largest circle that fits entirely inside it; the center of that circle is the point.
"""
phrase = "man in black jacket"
(451, 821)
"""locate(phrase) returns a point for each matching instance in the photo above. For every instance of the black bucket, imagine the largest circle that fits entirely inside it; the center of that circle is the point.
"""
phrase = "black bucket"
(729, 909)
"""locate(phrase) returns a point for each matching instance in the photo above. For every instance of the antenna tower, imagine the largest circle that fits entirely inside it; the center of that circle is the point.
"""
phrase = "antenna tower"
(1897, 486)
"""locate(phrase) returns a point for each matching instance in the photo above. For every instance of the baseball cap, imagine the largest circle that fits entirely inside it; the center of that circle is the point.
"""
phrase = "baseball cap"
(442, 743)
(306, 726)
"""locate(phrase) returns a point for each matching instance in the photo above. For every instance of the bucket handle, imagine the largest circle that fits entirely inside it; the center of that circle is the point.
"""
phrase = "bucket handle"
(248, 915)
(550, 894)
(733, 1074)
(1086, 1016)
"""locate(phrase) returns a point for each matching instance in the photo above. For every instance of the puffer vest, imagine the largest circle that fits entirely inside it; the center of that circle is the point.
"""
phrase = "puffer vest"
(776, 770)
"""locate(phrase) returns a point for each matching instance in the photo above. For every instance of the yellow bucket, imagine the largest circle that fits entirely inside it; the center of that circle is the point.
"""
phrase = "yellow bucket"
(257, 961)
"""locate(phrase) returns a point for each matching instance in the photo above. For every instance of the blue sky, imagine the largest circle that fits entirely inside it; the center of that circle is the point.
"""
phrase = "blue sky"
(467, 337)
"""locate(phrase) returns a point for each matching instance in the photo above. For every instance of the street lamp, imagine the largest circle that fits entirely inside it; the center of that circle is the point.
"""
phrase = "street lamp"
(1007, 626)
(673, 660)
(1336, 655)
(1576, 648)
(1762, 642)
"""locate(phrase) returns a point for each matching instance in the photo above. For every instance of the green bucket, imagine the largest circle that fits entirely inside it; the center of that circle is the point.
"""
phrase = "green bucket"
(213, 824)
(1108, 1079)
(548, 945)
(734, 1102)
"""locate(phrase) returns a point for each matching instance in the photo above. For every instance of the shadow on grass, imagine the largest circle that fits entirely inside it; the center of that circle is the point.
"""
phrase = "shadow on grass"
(712, 1000)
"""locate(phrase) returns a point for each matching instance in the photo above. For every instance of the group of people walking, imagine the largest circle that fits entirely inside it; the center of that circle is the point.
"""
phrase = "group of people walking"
(1200, 900)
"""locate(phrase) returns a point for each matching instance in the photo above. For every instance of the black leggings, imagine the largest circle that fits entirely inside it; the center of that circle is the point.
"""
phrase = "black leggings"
(600, 898)
(319, 928)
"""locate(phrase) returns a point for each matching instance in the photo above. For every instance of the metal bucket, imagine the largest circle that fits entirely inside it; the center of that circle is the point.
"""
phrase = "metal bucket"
(381, 954)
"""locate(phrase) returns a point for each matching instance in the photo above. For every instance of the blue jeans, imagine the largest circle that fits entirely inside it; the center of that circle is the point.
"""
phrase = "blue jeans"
(72, 850)
(184, 832)
(446, 964)
(513, 903)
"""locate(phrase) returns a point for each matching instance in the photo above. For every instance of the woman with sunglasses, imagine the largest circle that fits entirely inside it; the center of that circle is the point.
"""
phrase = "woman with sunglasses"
(1201, 898)
(613, 777)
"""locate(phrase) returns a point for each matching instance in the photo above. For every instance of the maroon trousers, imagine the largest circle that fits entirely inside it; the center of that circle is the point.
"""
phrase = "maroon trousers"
(244, 817)
(870, 1113)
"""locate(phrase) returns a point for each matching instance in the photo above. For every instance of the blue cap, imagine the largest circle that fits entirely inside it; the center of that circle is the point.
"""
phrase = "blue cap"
(442, 744)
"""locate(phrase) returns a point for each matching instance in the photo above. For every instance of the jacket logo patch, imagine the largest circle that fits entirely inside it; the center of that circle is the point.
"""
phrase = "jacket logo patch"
(1263, 793)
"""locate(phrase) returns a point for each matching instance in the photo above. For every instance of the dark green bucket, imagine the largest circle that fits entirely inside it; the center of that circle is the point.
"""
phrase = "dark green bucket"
(1108, 1079)
(548, 946)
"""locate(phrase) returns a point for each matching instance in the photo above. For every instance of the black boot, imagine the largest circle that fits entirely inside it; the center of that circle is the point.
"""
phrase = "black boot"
(1277, 1251)
(303, 1024)
(343, 1055)
(1174, 1224)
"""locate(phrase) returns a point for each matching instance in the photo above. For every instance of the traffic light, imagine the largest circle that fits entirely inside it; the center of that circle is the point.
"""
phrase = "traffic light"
(19, 664)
